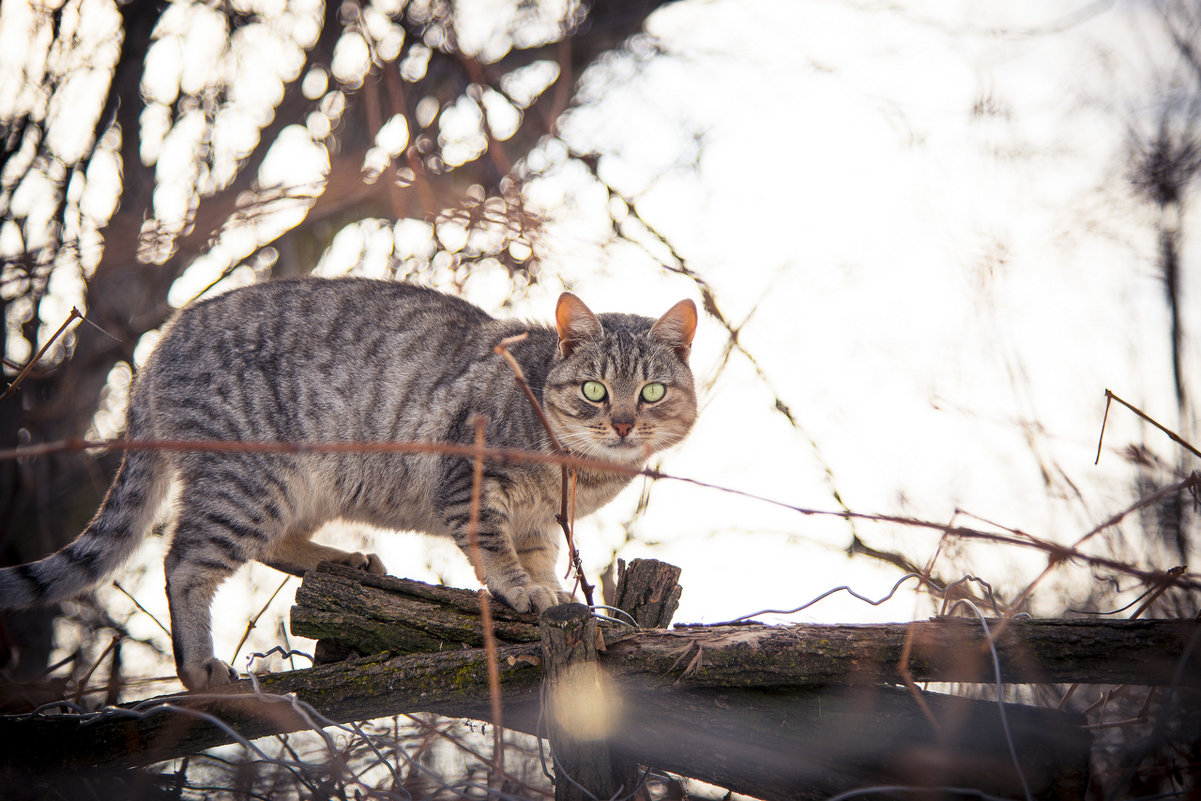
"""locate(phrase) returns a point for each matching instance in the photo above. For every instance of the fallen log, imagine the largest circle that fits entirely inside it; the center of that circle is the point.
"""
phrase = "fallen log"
(761, 710)
(368, 610)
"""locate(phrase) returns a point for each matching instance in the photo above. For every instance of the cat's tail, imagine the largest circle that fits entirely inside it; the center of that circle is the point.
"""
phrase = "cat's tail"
(120, 525)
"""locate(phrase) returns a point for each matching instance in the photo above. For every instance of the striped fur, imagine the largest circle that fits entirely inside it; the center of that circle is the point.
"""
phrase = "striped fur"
(312, 360)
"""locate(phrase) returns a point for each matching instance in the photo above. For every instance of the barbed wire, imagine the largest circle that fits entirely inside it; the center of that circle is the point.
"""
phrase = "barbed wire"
(1056, 553)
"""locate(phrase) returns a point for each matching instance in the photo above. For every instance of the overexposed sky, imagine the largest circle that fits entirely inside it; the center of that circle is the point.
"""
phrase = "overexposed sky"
(940, 296)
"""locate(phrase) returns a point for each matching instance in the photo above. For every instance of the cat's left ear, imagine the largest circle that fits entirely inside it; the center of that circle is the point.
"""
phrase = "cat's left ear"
(576, 323)
(677, 327)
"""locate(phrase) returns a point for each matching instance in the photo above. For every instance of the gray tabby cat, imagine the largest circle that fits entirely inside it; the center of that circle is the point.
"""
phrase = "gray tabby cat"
(314, 360)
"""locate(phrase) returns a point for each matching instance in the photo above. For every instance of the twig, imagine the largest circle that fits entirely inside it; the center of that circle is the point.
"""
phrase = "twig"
(141, 608)
(1172, 435)
(907, 676)
(83, 683)
(502, 350)
(1104, 420)
(1158, 590)
(473, 537)
(74, 315)
(254, 620)
(566, 517)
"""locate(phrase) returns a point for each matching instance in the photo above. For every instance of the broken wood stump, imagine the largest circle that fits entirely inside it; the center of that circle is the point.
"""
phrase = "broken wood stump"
(583, 709)
(648, 591)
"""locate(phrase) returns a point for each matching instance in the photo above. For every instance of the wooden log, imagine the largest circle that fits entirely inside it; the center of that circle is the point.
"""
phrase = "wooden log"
(734, 705)
(453, 683)
(350, 612)
(362, 613)
(808, 745)
(1142, 652)
(582, 708)
(775, 744)
(649, 591)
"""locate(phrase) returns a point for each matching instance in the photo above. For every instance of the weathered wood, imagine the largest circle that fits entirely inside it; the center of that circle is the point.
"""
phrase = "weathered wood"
(807, 745)
(452, 683)
(649, 591)
(363, 614)
(582, 705)
(770, 711)
(775, 744)
(1143, 652)
(351, 612)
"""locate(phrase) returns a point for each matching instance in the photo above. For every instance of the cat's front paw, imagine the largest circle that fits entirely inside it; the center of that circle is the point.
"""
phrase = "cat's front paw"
(531, 597)
(210, 673)
(367, 562)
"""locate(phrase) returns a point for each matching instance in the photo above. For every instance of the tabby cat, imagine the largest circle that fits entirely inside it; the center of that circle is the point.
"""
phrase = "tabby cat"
(318, 360)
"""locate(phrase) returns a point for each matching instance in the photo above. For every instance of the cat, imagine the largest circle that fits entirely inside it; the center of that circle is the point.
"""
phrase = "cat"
(353, 359)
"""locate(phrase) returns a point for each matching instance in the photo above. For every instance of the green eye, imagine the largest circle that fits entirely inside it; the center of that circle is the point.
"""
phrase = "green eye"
(594, 391)
(653, 392)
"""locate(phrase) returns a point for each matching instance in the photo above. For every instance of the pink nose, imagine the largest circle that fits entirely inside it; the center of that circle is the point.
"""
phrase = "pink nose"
(623, 429)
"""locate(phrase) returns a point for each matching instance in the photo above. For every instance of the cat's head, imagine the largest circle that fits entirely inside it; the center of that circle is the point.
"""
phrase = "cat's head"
(620, 388)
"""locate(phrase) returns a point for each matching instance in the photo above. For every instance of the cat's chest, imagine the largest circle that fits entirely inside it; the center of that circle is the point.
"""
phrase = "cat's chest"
(593, 490)
(535, 504)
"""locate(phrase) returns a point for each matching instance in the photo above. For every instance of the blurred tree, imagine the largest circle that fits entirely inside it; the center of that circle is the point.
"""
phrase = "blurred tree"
(139, 138)
(1165, 163)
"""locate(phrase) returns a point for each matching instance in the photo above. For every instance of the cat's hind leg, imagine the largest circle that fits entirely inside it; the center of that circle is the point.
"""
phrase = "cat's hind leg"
(206, 550)
(295, 553)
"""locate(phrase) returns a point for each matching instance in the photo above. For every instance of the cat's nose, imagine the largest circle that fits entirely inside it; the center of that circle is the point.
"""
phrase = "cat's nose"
(623, 427)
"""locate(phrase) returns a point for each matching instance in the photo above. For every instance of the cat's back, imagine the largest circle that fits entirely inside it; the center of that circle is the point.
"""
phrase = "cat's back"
(325, 306)
(317, 321)
(299, 356)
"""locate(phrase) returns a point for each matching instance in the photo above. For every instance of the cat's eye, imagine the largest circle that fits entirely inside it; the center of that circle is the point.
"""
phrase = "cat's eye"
(594, 391)
(653, 391)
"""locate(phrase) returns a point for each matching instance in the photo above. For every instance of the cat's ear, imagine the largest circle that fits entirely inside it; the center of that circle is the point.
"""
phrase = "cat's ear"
(576, 323)
(677, 327)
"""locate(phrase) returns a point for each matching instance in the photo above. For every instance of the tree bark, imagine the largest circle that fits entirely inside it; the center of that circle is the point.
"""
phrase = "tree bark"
(649, 591)
(581, 709)
(350, 612)
(357, 611)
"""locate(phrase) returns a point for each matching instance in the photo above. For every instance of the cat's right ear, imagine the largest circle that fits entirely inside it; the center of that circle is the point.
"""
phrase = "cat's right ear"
(677, 327)
(576, 323)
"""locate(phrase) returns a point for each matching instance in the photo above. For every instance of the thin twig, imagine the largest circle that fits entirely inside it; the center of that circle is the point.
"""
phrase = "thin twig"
(1104, 420)
(74, 315)
(502, 350)
(254, 620)
(566, 517)
(473, 537)
(907, 676)
(83, 683)
(141, 608)
(1172, 435)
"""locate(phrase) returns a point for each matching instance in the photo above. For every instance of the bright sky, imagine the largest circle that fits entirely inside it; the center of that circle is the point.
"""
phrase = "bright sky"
(940, 297)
